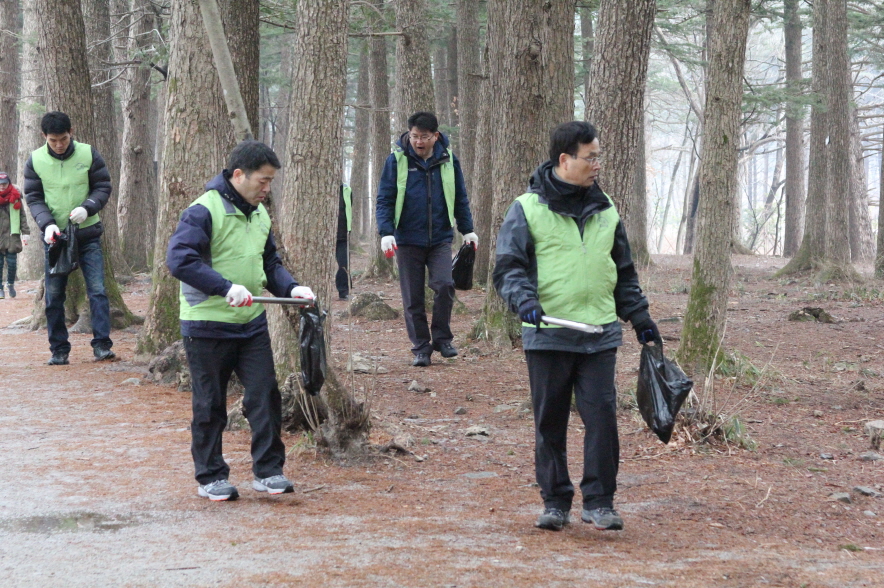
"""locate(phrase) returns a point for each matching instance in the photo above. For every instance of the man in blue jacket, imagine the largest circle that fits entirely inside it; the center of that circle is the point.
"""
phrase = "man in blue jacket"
(224, 253)
(421, 198)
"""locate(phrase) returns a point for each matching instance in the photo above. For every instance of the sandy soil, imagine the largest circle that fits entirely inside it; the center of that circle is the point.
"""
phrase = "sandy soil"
(98, 487)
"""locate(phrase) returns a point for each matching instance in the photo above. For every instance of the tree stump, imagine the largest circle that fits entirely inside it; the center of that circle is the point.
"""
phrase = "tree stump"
(875, 431)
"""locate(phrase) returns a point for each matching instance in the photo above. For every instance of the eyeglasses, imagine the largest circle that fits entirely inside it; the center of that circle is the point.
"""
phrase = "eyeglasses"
(420, 137)
(593, 159)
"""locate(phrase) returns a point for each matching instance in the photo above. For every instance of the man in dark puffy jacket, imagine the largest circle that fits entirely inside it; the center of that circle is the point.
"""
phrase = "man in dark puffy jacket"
(562, 251)
(421, 198)
(68, 182)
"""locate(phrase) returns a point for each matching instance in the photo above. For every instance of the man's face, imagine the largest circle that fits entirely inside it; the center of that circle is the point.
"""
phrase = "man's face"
(422, 141)
(254, 187)
(59, 142)
(581, 169)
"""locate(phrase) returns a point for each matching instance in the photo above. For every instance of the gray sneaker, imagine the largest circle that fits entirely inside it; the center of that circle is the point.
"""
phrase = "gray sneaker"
(218, 490)
(553, 519)
(277, 484)
(604, 519)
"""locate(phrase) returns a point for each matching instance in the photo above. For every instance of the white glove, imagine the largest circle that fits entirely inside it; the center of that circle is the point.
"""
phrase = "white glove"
(50, 233)
(24, 240)
(388, 245)
(303, 292)
(78, 215)
(472, 238)
(238, 296)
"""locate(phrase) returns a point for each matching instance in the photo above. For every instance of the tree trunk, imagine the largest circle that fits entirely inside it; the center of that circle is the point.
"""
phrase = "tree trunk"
(879, 254)
(481, 198)
(637, 230)
(794, 188)
(317, 106)
(414, 78)
(616, 96)
(710, 282)
(440, 85)
(361, 147)
(468, 72)
(10, 80)
(280, 138)
(137, 202)
(453, 97)
(198, 138)
(241, 23)
(587, 48)
(862, 241)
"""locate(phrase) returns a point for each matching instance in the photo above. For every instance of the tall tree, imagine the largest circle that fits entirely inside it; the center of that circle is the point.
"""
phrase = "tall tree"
(468, 72)
(10, 80)
(414, 78)
(879, 253)
(481, 198)
(361, 147)
(710, 282)
(198, 138)
(616, 103)
(241, 20)
(794, 187)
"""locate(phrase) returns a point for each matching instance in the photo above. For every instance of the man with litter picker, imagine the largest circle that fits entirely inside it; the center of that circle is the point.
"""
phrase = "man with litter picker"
(562, 252)
(224, 253)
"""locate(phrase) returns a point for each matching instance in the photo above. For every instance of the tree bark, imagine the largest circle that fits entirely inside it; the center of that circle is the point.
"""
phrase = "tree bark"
(452, 83)
(414, 78)
(361, 147)
(637, 231)
(468, 72)
(862, 241)
(481, 198)
(198, 138)
(710, 282)
(10, 82)
(587, 48)
(794, 188)
(440, 85)
(241, 23)
(879, 254)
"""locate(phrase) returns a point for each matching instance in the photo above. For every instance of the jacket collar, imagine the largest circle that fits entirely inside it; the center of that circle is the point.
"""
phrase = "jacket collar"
(566, 199)
(222, 184)
(440, 150)
(66, 154)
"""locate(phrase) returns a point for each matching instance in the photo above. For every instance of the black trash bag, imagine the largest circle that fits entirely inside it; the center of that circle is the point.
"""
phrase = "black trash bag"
(462, 267)
(64, 255)
(312, 347)
(661, 390)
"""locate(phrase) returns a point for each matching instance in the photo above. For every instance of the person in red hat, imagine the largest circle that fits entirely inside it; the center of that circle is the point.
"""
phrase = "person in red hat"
(14, 232)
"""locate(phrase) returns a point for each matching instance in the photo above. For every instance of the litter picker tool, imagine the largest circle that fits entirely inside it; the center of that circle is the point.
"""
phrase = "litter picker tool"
(274, 300)
(551, 320)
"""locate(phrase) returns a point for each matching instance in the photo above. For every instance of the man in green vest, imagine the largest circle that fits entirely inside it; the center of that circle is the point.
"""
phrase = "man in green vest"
(421, 199)
(14, 232)
(224, 253)
(342, 242)
(68, 182)
(562, 252)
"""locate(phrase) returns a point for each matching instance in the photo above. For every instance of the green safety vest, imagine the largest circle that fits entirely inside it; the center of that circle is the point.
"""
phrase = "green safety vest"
(402, 181)
(348, 206)
(65, 182)
(14, 220)
(575, 277)
(236, 251)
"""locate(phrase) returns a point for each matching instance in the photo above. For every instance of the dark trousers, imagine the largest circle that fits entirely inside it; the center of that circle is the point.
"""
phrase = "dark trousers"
(413, 262)
(342, 278)
(92, 264)
(11, 260)
(211, 362)
(553, 376)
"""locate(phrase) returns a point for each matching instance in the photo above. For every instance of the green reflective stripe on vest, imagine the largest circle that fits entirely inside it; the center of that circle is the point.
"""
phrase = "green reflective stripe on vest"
(14, 220)
(348, 207)
(237, 253)
(402, 181)
(65, 182)
(575, 277)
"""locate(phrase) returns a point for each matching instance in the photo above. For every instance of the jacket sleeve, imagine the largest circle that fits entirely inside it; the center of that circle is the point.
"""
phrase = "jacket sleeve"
(515, 267)
(629, 300)
(461, 201)
(99, 185)
(279, 281)
(189, 250)
(386, 201)
(35, 198)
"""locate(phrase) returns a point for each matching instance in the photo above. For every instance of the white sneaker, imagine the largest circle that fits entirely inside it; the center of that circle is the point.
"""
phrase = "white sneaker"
(218, 490)
(278, 484)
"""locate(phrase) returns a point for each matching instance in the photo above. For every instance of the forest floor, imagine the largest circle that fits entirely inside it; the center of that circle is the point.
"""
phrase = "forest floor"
(98, 485)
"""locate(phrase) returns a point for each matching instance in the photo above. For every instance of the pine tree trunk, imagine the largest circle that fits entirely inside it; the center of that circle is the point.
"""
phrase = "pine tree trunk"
(481, 198)
(414, 78)
(361, 148)
(587, 48)
(241, 23)
(198, 138)
(879, 253)
(280, 138)
(637, 231)
(794, 187)
(10, 80)
(862, 241)
(440, 85)
(468, 72)
(452, 91)
(710, 282)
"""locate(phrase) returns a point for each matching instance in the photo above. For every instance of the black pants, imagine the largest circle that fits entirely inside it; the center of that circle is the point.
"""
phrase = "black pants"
(412, 261)
(553, 376)
(211, 362)
(342, 278)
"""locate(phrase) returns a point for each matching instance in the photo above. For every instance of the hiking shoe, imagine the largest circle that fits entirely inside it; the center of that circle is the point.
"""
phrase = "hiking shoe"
(446, 349)
(553, 519)
(11, 290)
(103, 353)
(421, 360)
(218, 490)
(277, 484)
(59, 358)
(604, 519)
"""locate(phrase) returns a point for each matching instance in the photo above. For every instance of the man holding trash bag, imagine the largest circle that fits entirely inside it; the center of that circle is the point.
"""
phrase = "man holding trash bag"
(224, 253)
(562, 251)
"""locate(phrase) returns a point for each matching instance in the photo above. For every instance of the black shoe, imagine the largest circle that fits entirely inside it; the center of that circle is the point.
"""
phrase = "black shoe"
(553, 519)
(2, 295)
(59, 358)
(421, 360)
(446, 349)
(11, 290)
(343, 297)
(103, 353)
(604, 519)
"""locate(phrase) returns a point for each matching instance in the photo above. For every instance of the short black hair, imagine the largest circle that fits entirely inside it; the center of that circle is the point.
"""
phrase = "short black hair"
(55, 123)
(250, 156)
(426, 121)
(568, 137)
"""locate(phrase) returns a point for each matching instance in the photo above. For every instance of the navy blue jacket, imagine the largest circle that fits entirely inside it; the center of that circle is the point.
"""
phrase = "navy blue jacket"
(190, 247)
(424, 220)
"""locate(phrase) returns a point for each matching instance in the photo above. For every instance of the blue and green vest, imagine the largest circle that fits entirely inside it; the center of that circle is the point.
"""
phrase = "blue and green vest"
(65, 182)
(402, 182)
(348, 206)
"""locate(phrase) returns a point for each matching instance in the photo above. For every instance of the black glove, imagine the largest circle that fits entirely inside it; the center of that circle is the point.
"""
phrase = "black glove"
(646, 331)
(530, 311)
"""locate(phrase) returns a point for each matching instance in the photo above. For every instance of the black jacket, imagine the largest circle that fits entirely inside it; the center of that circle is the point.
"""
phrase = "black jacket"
(515, 269)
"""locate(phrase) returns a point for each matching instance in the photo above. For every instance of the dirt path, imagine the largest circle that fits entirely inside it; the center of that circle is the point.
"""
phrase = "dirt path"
(98, 488)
